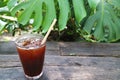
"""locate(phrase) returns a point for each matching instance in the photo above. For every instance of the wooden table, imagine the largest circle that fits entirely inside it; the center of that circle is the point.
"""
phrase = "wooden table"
(67, 61)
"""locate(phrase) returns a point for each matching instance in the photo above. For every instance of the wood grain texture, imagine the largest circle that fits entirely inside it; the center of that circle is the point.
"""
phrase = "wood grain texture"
(65, 68)
(90, 49)
(90, 61)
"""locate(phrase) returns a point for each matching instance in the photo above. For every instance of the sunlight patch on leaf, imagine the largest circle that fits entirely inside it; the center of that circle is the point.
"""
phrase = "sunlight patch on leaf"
(2, 25)
(93, 3)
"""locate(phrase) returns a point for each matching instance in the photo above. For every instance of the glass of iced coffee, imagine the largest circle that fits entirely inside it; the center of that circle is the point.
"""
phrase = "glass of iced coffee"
(31, 54)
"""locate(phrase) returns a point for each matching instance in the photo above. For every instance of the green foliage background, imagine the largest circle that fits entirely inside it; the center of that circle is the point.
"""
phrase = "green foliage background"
(93, 20)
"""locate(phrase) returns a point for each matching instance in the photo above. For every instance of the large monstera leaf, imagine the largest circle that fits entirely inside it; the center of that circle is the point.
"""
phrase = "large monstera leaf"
(104, 25)
(33, 8)
(44, 11)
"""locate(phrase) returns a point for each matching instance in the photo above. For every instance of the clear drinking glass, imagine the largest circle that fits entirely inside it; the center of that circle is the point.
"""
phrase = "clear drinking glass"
(31, 54)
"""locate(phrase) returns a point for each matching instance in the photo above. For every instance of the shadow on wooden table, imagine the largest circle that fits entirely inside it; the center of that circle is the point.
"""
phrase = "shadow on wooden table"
(44, 77)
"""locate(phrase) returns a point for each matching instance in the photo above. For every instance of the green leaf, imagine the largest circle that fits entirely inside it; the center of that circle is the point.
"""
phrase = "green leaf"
(11, 3)
(43, 12)
(31, 8)
(64, 13)
(91, 22)
(105, 23)
(93, 3)
(50, 14)
(79, 10)
(116, 3)
(3, 3)
(27, 10)
(99, 31)
(38, 16)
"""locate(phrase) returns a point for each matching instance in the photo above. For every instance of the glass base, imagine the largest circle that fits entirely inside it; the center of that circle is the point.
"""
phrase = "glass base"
(34, 77)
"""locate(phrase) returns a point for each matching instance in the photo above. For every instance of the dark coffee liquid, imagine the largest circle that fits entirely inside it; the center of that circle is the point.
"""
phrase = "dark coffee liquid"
(32, 57)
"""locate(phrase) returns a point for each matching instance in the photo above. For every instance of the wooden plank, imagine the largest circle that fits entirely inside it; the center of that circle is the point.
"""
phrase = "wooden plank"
(103, 62)
(90, 49)
(65, 68)
(71, 48)
(52, 45)
(9, 48)
(64, 73)
(52, 52)
(80, 73)
(81, 67)
(15, 74)
(111, 63)
(11, 74)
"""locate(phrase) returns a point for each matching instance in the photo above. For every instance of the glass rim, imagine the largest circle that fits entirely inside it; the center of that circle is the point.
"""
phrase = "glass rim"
(28, 36)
